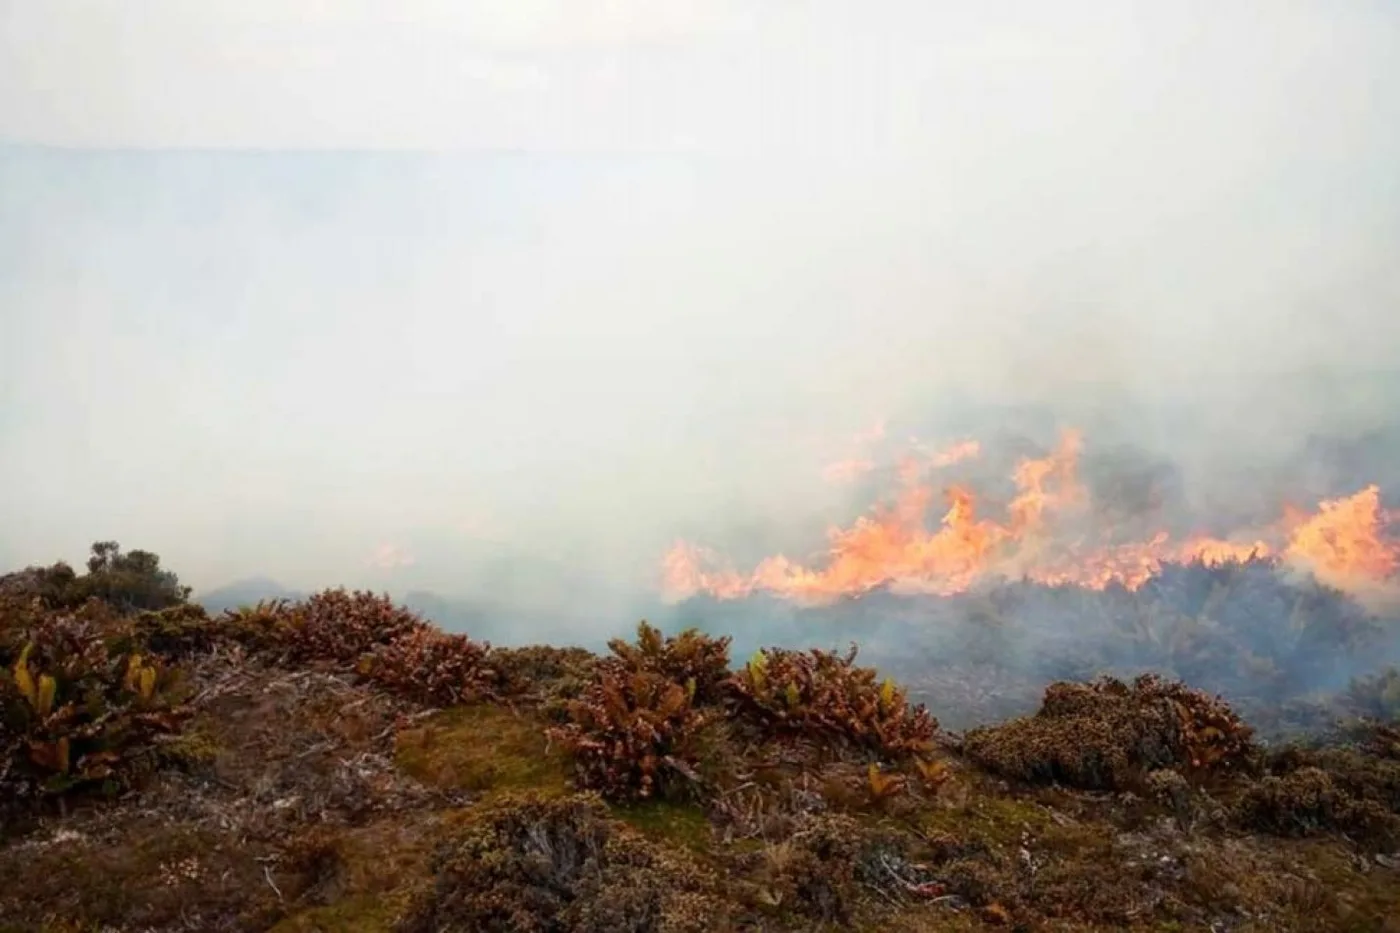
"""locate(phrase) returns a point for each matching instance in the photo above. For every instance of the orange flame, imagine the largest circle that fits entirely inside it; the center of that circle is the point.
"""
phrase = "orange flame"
(1344, 543)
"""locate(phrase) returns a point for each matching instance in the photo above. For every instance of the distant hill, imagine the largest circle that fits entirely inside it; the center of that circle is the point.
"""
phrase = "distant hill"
(245, 593)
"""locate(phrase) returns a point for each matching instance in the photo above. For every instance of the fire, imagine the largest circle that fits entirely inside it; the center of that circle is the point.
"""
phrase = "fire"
(1344, 543)
(1044, 536)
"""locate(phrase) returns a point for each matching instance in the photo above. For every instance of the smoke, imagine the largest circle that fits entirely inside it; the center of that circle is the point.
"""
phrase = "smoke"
(606, 288)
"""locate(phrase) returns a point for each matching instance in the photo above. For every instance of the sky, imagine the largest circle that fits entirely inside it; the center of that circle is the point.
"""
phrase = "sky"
(363, 292)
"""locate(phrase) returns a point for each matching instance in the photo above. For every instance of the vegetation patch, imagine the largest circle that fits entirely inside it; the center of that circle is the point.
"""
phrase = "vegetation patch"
(1107, 735)
(336, 625)
(485, 748)
(632, 735)
(822, 694)
(432, 667)
(523, 864)
(77, 716)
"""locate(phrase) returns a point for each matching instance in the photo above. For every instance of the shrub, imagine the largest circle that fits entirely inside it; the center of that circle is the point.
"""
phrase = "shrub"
(531, 864)
(822, 693)
(547, 676)
(269, 625)
(74, 713)
(178, 631)
(432, 667)
(631, 734)
(341, 626)
(1309, 802)
(690, 657)
(128, 582)
(1376, 697)
(1108, 734)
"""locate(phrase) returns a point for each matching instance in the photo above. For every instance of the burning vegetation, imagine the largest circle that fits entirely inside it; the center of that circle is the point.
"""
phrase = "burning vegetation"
(937, 535)
(338, 763)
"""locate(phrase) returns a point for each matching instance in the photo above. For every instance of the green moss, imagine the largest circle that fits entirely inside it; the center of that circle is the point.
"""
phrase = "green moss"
(483, 748)
(668, 822)
(992, 819)
(191, 749)
(356, 915)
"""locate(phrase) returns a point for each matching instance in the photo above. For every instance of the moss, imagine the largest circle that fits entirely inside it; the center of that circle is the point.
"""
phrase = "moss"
(483, 748)
(151, 878)
(355, 915)
(668, 822)
(192, 749)
(987, 818)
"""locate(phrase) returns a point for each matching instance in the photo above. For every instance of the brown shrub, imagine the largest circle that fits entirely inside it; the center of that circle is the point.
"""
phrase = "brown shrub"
(433, 667)
(1108, 734)
(824, 694)
(531, 864)
(631, 734)
(688, 658)
(828, 864)
(341, 626)
(1309, 802)
(547, 676)
(75, 714)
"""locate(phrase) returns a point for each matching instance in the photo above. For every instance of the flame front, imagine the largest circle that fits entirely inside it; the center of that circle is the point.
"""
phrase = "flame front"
(1041, 538)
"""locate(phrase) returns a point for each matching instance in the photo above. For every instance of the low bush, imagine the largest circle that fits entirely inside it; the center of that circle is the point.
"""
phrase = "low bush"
(1108, 735)
(336, 625)
(1310, 801)
(692, 659)
(176, 632)
(433, 667)
(823, 694)
(531, 864)
(76, 715)
(546, 676)
(1376, 697)
(632, 734)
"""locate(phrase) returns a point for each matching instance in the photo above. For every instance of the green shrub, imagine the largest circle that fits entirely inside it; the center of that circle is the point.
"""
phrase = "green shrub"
(76, 715)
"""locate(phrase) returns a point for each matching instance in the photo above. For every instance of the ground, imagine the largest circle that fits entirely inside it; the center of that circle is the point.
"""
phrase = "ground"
(311, 799)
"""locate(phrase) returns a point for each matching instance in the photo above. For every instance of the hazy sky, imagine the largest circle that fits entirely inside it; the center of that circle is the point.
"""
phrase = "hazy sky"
(301, 288)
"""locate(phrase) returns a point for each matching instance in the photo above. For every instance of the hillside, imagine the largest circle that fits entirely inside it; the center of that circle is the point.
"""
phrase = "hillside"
(337, 763)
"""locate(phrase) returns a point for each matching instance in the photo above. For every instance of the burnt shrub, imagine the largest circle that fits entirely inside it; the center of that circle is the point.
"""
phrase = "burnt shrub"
(825, 695)
(1107, 735)
(532, 864)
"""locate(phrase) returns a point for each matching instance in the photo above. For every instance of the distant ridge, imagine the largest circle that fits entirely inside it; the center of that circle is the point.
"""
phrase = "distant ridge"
(245, 593)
